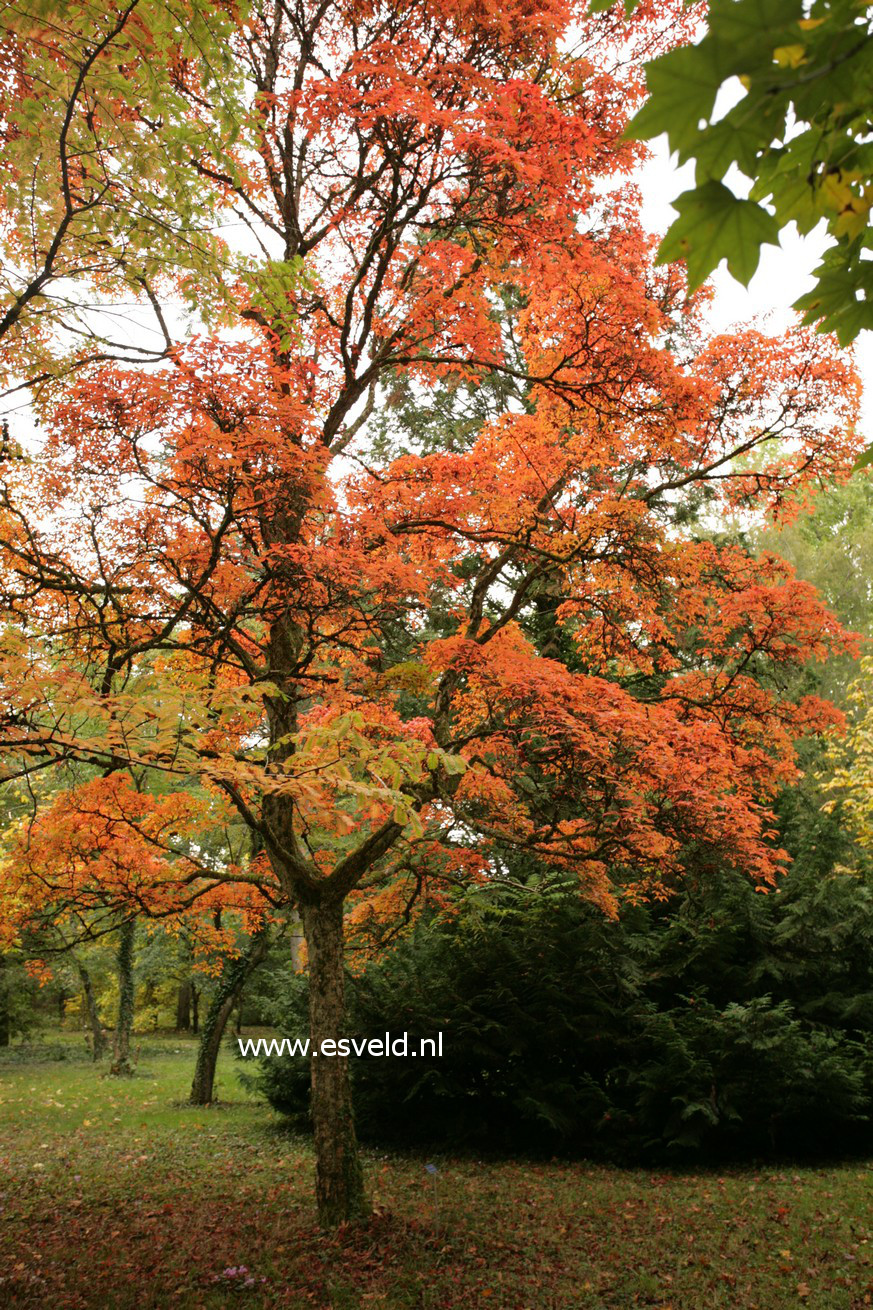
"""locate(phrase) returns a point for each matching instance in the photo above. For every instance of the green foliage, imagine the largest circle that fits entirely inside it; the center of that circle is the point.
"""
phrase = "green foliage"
(271, 284)
(831, 546)
(713, 224)
(799, 134)
(17, 1010)
(752, 1077)
(727, 1024)
(102, 157)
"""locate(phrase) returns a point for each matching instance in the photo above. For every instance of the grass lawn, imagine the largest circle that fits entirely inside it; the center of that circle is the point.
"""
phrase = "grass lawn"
(114, 1194)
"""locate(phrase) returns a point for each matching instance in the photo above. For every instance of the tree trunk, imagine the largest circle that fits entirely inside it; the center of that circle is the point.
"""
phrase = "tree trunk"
(298, 961)
(227, 994)
(183, 1007)
(98, 1041)
(214, 1024)
(124, 959)
(339, 1182)
(195, 1010)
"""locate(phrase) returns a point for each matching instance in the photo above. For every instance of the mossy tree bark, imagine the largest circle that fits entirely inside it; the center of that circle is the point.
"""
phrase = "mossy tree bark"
(98, 1041)
(124, 963)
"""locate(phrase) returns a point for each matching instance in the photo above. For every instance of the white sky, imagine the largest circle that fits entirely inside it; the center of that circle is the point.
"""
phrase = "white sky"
(783, 273)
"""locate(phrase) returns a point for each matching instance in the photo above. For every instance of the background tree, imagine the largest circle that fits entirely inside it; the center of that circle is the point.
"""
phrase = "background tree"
(124, 1026)
(85, 886)
(234, 976)
(852, 781)
(830, 544)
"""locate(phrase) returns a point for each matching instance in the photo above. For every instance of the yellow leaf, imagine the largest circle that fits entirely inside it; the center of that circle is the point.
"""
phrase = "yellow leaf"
(790, 56)
(835, 191)
(852, 221)
(855, 213)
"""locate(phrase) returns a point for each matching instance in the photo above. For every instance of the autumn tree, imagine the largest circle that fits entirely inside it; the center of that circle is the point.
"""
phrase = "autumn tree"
(221, 595)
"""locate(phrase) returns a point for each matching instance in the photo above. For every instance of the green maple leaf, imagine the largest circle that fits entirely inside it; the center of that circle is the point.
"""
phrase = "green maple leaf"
(682, 86)
(714, 225)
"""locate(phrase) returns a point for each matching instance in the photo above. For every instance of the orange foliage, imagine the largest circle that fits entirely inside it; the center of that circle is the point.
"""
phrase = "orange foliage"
(205, 568)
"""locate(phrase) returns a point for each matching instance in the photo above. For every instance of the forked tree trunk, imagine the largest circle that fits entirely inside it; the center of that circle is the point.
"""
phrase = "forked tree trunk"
(124, 959)
(339, 1182)
(227, 994)
(98, 1041)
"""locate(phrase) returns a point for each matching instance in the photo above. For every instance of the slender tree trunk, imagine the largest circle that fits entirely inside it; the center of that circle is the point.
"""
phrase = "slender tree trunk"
(183, 1007)
(124, 959)
(98, 1041)
(226, 996)
(339, 1182)
(214, 1023)
(195, 1010)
